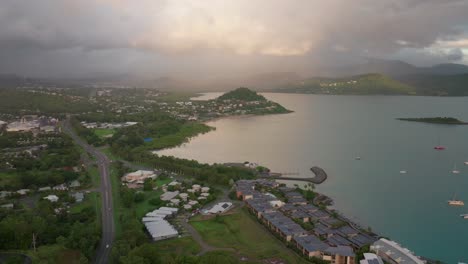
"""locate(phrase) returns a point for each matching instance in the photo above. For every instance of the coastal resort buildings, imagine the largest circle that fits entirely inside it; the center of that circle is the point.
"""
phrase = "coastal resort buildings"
(312, 231)
(392, 252)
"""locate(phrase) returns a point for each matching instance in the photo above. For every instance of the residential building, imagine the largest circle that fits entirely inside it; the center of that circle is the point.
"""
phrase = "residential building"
(392, 252)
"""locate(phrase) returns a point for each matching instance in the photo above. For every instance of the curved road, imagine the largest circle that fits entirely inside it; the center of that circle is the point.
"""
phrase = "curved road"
(108, 232)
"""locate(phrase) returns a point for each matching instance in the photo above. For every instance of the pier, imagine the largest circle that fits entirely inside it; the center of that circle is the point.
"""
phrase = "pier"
(320, 176)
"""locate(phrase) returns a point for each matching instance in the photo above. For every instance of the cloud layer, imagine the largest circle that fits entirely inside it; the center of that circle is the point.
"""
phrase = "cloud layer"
(165, 35)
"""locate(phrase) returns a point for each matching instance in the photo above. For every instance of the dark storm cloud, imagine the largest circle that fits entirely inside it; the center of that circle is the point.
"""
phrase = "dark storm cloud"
(158, 36)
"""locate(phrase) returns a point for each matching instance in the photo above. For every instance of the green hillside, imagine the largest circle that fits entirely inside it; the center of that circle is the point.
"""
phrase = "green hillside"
(359, 85)
(439, 85)
(242, 94)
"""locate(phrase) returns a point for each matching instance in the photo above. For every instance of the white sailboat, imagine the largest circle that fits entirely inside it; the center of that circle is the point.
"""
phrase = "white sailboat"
(466, 162)
(455, 202)
(455, 171)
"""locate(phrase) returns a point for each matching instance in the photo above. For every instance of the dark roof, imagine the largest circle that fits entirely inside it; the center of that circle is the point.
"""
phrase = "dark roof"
(299, 214)
(321, 230)
(341, 251)
(311, 243)
(319, 214)
(362, 240)
(293, 194)
(297, 200)
(337, 240)
(308, 208)
(347, 231)
(289, 207)
(330, 222)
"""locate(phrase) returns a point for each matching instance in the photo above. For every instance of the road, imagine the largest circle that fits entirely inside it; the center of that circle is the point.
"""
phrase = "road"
(108, 231)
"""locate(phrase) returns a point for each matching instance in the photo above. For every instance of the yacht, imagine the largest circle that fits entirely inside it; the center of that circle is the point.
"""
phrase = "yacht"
(357, 158)
(439, 147)
(403, 172)
(466, 162)
(456, 202)
(455, 171)
(464, 216)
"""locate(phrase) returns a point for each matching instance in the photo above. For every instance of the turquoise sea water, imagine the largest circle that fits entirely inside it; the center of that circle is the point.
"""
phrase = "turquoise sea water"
(330, 131)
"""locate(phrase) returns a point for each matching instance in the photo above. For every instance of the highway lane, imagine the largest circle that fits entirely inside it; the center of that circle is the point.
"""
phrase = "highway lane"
(108, 230)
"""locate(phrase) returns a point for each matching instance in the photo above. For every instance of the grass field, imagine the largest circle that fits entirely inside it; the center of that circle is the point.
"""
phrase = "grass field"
(7, 179)
(178, 246)
(103, 132)
(242, 232)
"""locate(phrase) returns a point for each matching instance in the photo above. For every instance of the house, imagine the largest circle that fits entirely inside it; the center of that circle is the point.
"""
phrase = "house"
(79, 197)
(53, 198)
(196, 187)
(310, 245)
(183, 196)
(44, 189)
(167, 196)
(4, 194)
(371, 258)
(139, 176)
(205, 189)
(7, 206)
(60, 187)
(220, 208)
(175, 202)
(339, 255)
(23, 191)
(75, 184)
(394, 253)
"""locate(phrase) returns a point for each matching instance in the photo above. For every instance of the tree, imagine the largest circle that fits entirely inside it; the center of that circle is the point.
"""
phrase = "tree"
(148, 184)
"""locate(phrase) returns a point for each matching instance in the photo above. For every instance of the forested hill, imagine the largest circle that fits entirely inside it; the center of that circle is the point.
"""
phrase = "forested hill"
(366, 84)
(438, 85)
(242, 94)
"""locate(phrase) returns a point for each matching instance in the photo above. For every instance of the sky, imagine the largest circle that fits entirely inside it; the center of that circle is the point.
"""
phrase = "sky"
(214, 38)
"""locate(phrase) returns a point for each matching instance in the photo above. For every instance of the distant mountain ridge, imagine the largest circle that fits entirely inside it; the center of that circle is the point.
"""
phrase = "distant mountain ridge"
(373, 83)
(394, 68)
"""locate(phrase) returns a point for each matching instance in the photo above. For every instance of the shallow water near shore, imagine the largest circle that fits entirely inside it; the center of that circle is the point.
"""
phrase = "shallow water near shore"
(330, 131)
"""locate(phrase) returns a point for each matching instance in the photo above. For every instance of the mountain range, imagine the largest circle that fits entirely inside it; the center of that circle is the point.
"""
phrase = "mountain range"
(376, 76)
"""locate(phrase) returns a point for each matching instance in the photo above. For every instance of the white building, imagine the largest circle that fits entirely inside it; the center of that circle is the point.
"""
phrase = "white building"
(371, 258)
(205, 189)
(167, 196)
(53, 198)
(392, 252)
(183, 196)
(160, 229)
(156, 224)
(139, 176)
(220, 208)
(23, 191)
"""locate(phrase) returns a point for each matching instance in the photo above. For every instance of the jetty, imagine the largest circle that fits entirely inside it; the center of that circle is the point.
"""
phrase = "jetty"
(320, 176)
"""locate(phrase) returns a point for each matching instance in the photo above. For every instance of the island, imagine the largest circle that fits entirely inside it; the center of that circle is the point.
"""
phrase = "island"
(436, 120)
(244, 101)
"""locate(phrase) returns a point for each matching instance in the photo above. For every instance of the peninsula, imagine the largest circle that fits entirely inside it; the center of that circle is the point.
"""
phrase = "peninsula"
(436, 120)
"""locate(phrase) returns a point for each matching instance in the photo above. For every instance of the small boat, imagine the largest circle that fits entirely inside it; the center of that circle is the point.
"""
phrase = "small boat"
(455, 171)
(439, 147)
(357, 158)
(403, 172)
(456, 203)
(464, 216)
(466, 162)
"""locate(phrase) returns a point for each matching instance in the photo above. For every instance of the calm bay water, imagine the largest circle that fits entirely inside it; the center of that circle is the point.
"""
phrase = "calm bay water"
(330, 131)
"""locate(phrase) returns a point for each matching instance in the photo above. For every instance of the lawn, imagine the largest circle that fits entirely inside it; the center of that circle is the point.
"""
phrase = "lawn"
(242, 232)
(144, 207)
(103, 132)
(7, 179)
(178, 246)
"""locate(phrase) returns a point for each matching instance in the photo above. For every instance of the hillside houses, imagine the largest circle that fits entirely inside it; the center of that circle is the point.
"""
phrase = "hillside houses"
(329, 238)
